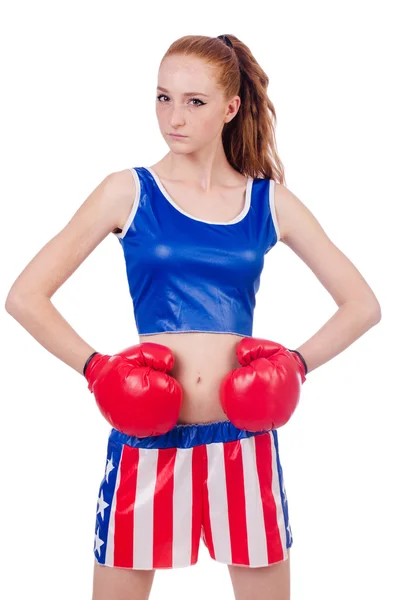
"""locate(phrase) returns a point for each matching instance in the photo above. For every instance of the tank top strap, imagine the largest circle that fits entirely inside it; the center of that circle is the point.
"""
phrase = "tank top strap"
(262, 215)
(143, 192)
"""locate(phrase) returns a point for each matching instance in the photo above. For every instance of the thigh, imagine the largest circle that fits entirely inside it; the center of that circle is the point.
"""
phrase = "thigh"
(271, 582)
(148, 508)
(121, 584)
(245, 514)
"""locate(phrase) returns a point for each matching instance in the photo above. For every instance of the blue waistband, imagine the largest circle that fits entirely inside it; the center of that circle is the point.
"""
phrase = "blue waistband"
(187, 436)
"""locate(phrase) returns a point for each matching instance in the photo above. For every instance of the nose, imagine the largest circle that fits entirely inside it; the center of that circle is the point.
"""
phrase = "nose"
(177, 116)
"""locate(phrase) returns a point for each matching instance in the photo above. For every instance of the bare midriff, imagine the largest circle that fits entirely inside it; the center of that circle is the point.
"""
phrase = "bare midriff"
(201, 361)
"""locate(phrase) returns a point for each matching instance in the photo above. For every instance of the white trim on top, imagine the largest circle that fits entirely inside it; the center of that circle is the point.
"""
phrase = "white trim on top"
(135, 205)
(239, 217)
(273, 207)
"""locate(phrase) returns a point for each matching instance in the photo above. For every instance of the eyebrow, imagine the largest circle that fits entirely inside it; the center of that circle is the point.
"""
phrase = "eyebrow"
(185, 94)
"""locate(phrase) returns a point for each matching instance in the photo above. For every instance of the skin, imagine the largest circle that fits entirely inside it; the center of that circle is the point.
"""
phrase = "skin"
(199, 160)
(195, 173)
(198, 177)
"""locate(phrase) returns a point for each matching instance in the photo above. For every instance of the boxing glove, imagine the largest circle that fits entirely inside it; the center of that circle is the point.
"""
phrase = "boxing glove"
(133, 390)
(264, 392)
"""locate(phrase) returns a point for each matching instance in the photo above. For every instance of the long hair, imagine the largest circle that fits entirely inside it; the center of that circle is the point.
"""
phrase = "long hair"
(249, 138)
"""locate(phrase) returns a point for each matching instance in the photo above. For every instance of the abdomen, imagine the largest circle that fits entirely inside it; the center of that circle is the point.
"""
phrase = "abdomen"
(201, 362)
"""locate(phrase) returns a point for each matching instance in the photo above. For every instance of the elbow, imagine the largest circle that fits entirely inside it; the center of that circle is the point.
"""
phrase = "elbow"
(13, 303)
(369, 312)
(374, 313)
(18, 302)
(10, 303)
(377, 315)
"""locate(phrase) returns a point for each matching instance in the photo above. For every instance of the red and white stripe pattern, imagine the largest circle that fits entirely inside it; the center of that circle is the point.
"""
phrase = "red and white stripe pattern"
(155, 504)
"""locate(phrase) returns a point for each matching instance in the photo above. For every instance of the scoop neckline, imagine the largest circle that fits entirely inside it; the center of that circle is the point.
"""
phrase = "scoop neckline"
(237, 219)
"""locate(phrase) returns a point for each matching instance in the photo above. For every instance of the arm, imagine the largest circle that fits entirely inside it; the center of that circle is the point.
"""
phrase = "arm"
(29, 299)
(359, 309)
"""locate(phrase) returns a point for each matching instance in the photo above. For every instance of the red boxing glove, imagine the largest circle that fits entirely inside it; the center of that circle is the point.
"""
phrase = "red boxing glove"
(264, 392)
(133, 391)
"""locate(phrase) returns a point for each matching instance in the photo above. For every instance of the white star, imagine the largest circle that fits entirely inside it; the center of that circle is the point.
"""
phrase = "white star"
(109, 467)
(101, 505)
(98, 543)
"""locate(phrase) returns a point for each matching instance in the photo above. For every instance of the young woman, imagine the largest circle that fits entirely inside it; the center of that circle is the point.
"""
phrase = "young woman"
(195, 406)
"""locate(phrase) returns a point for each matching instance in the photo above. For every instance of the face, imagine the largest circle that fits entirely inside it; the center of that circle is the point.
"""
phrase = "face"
(199, 116)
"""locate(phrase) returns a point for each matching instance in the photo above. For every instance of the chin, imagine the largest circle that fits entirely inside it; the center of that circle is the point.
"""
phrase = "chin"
(179, 150)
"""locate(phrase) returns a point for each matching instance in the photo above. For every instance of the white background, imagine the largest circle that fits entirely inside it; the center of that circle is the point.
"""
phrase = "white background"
(78, 102)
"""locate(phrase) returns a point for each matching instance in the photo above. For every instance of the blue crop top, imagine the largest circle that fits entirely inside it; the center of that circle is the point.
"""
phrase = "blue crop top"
(185, 274)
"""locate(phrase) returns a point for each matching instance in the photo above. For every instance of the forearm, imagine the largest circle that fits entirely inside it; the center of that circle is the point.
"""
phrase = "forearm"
(43, 321)
(350, 322)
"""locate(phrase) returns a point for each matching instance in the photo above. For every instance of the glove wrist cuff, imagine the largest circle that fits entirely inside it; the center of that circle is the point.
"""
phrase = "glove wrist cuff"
(302, 359)
(87, 361)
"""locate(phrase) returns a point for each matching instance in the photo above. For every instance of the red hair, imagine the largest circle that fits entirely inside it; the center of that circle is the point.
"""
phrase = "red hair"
(249, 138)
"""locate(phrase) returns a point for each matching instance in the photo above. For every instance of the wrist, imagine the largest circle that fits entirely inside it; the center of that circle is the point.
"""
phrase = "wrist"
(301, 358)
(88, 361)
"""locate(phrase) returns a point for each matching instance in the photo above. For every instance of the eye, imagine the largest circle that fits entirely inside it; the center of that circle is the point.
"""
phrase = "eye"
(195, 99)
(198, 100)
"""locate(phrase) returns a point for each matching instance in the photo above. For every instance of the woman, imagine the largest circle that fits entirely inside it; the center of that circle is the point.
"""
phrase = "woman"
(200, 457)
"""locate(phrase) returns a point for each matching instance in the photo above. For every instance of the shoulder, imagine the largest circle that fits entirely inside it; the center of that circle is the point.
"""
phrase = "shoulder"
(121, 183)
(122, 189)
(293, 216)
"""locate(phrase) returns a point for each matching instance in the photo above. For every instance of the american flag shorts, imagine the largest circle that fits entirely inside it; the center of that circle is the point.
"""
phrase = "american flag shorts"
(161, 495)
